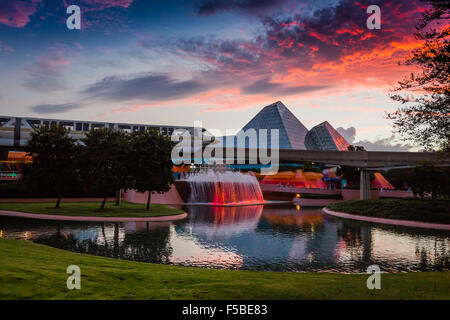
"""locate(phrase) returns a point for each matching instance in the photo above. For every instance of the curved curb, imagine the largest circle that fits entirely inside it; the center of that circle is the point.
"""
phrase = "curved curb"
(405, 223)
(18, 214)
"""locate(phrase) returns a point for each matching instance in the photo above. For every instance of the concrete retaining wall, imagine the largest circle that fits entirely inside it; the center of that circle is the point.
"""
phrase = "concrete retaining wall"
(397, 222)
(169, 197)
(353, 194)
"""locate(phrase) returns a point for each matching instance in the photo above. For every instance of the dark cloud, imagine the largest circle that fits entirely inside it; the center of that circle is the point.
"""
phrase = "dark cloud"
(348, 134)
(54, 108)
(331, 32)
(383, 144)
(223, 52)
(205, 7)
(265, 86)
(307, 39)
(147, 86)
(102, 14)
(325, 39)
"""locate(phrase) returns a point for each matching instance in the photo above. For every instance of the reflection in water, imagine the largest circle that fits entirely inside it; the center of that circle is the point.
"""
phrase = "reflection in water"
(132, 241)
(278, 238)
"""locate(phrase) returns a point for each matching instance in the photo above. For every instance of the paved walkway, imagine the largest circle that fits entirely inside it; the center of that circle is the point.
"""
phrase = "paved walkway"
(18, 214)
(406, 223)
(40, 200)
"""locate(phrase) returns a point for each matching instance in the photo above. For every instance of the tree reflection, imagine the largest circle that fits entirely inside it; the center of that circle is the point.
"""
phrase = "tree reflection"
(151, 245)
(148, 245)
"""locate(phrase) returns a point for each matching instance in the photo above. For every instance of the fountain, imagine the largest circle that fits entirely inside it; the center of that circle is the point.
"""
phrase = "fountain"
(220, 188)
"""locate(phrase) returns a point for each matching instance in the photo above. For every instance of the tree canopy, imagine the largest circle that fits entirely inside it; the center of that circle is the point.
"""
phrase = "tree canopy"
(152, 162)
(430, 178)
(104, 161)
(425, 117)
(54, 166)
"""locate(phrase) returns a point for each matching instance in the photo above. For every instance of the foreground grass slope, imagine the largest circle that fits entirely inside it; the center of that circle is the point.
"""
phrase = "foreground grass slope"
(33, 271)
(126, 209)
(414, 209)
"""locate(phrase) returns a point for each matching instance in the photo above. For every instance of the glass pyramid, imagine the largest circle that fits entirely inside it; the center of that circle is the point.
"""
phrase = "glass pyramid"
(292, 132)
(324, 137)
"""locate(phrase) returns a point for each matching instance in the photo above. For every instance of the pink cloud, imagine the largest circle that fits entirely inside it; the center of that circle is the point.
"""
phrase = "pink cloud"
(17, 14)
(46, 74)
(96, 5)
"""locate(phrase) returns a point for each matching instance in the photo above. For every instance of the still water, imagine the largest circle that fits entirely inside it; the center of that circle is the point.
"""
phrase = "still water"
(270, 237)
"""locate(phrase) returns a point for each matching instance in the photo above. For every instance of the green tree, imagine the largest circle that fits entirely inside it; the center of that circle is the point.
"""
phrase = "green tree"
(152, 162)
(54, 166)
(430, 178)
(355, 148)
(426, 95)
(104, 162)
(399, 177)
(351, 174)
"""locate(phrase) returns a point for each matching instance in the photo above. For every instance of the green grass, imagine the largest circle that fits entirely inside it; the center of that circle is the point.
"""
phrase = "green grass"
(415, 209)
(126, 209)
(33, 271)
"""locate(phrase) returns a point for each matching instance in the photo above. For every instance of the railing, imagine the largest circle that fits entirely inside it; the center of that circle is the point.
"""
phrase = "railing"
(291, 189)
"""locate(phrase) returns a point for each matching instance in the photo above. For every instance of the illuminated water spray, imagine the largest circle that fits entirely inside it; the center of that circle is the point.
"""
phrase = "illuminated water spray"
(224, 188)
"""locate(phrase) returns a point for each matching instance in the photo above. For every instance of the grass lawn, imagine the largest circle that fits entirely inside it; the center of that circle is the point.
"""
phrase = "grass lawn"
(415, 209)
(126, 209)
(33, 271)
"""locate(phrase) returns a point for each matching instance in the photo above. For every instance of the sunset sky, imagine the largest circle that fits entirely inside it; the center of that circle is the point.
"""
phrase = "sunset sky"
(218, 61)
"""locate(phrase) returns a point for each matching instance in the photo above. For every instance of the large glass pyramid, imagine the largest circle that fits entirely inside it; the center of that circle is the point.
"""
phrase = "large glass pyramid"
(292, 132)
(325, 137)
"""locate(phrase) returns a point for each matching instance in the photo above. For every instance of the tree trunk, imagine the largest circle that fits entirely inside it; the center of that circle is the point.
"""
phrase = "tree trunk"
(118, 194)
(103, 204)
(58, 201)
(148, 201)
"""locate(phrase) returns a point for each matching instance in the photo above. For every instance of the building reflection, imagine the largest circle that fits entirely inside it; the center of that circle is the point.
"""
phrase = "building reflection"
(254, 237)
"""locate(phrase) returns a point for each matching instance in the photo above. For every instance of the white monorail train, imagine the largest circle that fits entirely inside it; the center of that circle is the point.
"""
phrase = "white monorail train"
(15, 131)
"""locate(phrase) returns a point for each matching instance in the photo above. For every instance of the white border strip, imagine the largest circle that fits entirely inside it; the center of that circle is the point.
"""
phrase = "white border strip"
(406, 223)
(18, 214)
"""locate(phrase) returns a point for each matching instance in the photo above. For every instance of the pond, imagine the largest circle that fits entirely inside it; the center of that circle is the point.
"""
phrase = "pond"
(262, 237)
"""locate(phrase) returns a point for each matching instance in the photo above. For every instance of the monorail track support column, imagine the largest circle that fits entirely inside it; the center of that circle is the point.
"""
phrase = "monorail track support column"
(364, 185)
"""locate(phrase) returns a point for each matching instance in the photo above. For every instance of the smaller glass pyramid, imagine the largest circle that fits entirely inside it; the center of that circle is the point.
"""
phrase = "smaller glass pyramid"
(324, 137)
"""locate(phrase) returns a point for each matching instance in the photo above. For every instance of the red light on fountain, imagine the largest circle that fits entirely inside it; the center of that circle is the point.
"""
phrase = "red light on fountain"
(224, 188)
